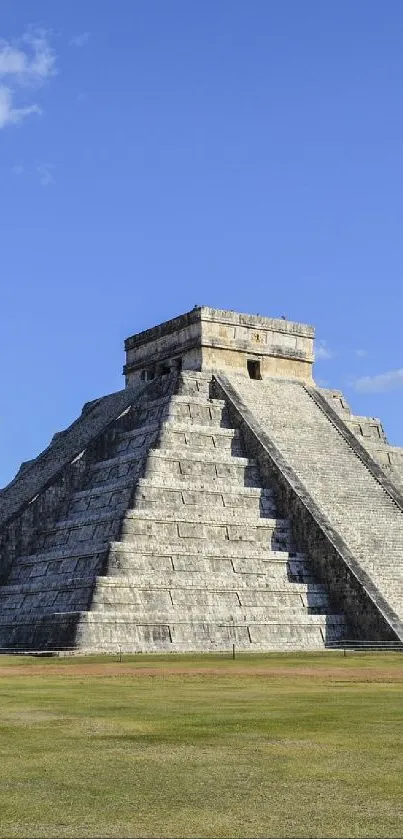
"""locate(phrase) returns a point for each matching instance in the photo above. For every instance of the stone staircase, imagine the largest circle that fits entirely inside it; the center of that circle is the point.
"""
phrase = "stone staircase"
(203, 562)
(171, 544)
(354, 502)
(370, 433)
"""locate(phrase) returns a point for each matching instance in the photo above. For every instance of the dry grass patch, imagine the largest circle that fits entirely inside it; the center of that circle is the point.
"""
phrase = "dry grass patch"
(201, 746)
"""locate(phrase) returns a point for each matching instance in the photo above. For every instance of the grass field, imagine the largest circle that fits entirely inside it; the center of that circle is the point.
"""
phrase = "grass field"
(306, 745)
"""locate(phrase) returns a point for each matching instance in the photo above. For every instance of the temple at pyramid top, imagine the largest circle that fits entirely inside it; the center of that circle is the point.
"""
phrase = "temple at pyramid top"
(207, 339)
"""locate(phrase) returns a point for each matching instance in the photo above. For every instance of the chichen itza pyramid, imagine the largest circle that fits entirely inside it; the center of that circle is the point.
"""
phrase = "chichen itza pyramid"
(221, 498)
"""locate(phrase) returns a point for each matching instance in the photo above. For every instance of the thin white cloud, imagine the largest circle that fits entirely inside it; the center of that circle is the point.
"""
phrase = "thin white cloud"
(17, 169)
(24, 63)
(30, 60)
(79, 40)
(9, 114)
(322, 351)
(380, 383)
(361, 353)
(45, 172)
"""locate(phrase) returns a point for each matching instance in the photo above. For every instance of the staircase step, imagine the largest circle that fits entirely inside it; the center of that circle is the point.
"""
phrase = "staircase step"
(123, 563)
(193, 615)
(226, 524)
(150, 492)
(126, 618)
(109, 497)
(55, 582)
(49, 601)
(228, 573)
(110, 486)
(179, 603)
(199, 437)
(116, 633)
(137, 441)
(128, 460)
(206, 413)
(218, 457)
(184, 399)
(242, 552)
(233, 618)
(219, 486)
(220, 597)
(189, 464)
(197, 384)
(196, 429)
(251, 584)
(173, 433)
(197, 548)
(60, 553)
(78, 529)
(189, 515)
(228, 515)
(84, 519)
(104, 471)
(274, 572)
(186, 408)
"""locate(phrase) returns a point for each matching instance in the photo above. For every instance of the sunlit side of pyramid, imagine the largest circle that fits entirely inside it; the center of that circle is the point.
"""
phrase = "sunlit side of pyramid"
(221, 498)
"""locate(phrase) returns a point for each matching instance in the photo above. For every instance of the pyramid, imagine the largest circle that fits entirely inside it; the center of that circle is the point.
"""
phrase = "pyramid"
(219, 499)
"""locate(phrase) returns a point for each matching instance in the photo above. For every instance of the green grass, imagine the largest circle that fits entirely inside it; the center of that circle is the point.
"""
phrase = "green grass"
(202, 746)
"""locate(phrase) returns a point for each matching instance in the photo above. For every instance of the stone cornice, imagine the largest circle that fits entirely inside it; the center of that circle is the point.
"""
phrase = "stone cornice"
(228, 318)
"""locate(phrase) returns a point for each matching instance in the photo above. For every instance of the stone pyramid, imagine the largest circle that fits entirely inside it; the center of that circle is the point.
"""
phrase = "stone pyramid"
(220, 498)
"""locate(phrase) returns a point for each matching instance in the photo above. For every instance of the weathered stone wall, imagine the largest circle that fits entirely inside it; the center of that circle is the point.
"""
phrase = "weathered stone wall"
(169, 542)
(370, 433)
(270, 365)
(352, 589)
(206, 339)
(234, 337)
(203, 561)
(53, 546)
(40, 492)
(20, 535)
(148, 524)
(39, 473)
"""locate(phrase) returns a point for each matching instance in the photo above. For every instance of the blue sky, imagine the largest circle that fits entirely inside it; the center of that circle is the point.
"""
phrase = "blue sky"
(156, 154)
